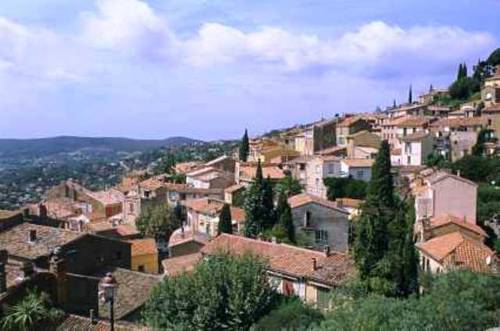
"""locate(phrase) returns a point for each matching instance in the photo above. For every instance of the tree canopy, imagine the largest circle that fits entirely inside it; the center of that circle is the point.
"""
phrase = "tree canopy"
(157, 220)
(225, 225)
(244, 149)
(222, 293)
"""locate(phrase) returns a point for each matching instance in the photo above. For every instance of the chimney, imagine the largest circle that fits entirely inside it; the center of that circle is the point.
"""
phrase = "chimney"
(27, 269)
(314, 264)
(93, 320)
(326, 250)
(32, 236)
(4, 255)
(273, 240)
(57, 266)
(458, 173)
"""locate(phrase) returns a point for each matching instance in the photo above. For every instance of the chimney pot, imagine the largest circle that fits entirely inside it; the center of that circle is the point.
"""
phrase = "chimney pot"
(326, 250)
(314, 264)
(32, 236)
(273, 240)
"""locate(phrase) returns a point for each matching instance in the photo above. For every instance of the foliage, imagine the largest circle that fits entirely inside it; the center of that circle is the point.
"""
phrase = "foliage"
(288, 186)
(494, 58)
(165, 164)
(285, 219)
(345, 188)
(225, 225)
(157, 220)
(244, 149)
(488, 210)
(436, 160)
(256, 205)
(34, 308)
(463, 88)
(478, 169)
(291, 314)
(222, 293)
(483, 137)
(455, 301)
(268, 204)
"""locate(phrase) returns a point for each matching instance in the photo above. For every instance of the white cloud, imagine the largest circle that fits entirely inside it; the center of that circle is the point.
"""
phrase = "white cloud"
(123, 25)
(373, 44)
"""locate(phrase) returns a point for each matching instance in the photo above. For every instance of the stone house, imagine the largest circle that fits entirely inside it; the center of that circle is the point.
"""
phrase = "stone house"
(245, 172)
(209, 178)
(490, 93)
(394, 130)
(362, 145)
(360, 169)
(492, 115)
(440, 193)
(144, 256)
(348, 126)
(416, 147)
(317, 169)
(308, 274)
(322, 221)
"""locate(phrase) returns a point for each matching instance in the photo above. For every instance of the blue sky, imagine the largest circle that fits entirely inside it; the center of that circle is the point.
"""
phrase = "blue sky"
(209, 68)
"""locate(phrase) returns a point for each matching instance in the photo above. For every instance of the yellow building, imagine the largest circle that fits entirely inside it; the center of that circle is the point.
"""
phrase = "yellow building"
(144, 256)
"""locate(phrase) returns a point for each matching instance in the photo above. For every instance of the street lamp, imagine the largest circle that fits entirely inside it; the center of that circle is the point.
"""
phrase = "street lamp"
(108, 287)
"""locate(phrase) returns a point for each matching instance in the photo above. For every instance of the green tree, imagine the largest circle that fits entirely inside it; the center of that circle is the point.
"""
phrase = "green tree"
(285, 219)
(268, 204)
(225, 225)
(494, 58)
(371, 240)
(222, 293)
(288, 186)
(410, 95)
(244, 147)
(254, 206)
(157, 220)
(34, 309)
(482, 138)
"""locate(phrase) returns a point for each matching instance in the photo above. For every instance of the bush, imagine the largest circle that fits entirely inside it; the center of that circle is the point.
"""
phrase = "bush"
(291, 314)
(345, 188)
(222, 293)
(454, 301)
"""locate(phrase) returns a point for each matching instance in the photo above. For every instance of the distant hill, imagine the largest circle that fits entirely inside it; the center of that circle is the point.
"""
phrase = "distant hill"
(65, 144)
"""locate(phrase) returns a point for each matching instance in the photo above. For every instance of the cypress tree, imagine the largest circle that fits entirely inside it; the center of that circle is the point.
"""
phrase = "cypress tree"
(255, 211)
(460, 71)
(285, 219)
(431, 88)
(371, 240)
(225, 225)
(410, 96)
(464, 69)
(244, 147)
(394, 103)
(268, 203)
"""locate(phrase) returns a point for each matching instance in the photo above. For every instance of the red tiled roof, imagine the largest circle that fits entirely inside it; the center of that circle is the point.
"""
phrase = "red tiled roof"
(234, 188)
(305, 198)
(419, 135)
(349, 121)
(290, 260)
(358, 163)
(249, 171)
(492, 109)
(460, 122)
(348, 202)
(179, 238)
(177, 265)
(457, 249)
(446, 219)
(143, 247)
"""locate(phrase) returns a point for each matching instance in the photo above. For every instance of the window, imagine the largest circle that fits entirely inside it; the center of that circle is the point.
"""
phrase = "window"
(408, 160)
(321, 236)
(359, 174)
(408, 148)
(307, 219)
(302, 167)
(141, 268)
(131, 207)
(330, 168)
(322, 298)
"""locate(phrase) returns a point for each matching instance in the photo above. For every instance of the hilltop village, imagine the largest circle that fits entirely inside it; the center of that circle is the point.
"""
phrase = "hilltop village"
(294, 198)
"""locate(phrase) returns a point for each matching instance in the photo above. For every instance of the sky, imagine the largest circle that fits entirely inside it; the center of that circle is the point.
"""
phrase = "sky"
(208, 69)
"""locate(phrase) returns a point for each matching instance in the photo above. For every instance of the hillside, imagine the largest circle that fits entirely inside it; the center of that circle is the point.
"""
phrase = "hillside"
(66, 144)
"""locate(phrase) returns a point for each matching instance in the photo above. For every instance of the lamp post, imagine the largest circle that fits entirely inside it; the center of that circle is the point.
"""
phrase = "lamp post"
(108, 287)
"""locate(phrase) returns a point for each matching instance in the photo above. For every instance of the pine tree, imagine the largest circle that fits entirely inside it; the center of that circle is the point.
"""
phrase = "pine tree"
(410, 96)
(225, 225)
(371, 240)
(244, 147)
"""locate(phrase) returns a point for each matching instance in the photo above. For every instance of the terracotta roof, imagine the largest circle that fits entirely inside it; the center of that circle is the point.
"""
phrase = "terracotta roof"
(177, 265)
(213, 207)
(460, 122)
(133, 291)
(4, 214)
(445, 219)
(106, 197)
(234, 188)
(335, 150)
(179, 238)
(348, 202)
(358, 163)
(492, 109)
(249, 171)
(395, 151)
(290, 260)
(79, 323)
(15, 240)
(459, 250)
(419, 135)
(184, 167)
(409, 121)
(305, 198)
(143, 247)
(349, 121)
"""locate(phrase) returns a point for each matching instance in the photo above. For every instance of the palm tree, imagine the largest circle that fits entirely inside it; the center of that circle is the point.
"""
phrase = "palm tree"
(32, 310)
